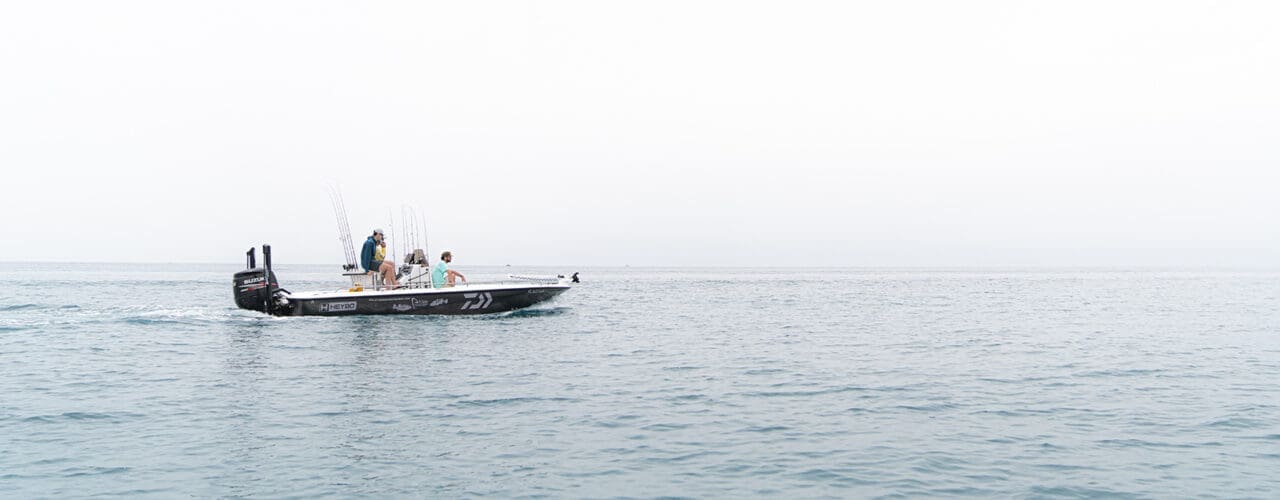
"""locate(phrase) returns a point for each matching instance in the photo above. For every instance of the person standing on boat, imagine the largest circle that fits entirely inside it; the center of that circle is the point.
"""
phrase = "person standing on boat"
(370, 262)
(441, 275)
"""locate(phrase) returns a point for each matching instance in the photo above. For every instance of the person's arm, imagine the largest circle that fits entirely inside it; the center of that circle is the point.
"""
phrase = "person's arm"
(458, 274)
(366, 256)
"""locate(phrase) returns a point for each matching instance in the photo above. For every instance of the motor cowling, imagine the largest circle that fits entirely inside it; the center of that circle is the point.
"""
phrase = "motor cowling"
(254, 288)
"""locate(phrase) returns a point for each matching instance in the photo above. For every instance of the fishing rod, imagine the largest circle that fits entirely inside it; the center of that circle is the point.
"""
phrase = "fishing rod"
(423, 222)
(391, 233)
(346, 233)
(405, 230)
(337, 215)
(333, 203)
(344, 227)
(413, 226)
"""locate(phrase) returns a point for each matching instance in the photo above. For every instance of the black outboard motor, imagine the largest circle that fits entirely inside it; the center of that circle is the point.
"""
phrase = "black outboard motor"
(255, 286)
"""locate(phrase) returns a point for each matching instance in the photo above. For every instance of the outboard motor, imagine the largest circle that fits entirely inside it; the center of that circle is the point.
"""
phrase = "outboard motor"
(255, 286)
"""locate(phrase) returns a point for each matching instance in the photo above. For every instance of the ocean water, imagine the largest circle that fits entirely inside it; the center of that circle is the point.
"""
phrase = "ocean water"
(145, 381)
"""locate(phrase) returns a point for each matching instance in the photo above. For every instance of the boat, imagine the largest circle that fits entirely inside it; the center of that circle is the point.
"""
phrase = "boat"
(257, 289)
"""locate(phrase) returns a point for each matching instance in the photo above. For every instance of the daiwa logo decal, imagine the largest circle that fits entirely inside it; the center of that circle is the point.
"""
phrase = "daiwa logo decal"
(338, 306)
(482, 300)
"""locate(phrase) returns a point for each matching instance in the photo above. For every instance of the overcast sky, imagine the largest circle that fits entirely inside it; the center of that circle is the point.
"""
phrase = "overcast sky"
(909, 133)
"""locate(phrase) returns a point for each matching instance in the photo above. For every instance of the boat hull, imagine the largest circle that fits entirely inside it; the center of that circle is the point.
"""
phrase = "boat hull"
(445, 301)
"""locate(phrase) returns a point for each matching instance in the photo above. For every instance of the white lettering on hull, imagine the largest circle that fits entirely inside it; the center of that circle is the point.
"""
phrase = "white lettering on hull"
(338, 306)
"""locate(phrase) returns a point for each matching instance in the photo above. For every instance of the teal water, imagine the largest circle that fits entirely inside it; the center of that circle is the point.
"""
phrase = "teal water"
(144, 381)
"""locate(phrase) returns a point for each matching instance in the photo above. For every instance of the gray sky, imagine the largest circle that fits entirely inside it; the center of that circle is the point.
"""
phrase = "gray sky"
(646, 133)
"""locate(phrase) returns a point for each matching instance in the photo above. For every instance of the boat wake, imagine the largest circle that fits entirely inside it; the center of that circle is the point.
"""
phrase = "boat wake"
(534, 313)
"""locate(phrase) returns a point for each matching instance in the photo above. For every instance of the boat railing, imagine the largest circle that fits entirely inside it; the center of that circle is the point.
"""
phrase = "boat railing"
(415, 283)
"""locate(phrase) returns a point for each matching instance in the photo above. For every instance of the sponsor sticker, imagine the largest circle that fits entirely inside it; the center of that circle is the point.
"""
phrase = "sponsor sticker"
(429, 303)
(477, 300)
(338, 306)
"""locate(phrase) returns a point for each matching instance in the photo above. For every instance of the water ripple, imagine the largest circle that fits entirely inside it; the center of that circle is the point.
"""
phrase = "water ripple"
(145, 381)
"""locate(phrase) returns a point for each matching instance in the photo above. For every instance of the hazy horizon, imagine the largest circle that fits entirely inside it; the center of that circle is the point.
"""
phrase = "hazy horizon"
(570, 267)
(917, 134)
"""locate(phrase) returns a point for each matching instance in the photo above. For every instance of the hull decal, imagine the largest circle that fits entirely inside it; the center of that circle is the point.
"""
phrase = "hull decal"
(338, 307)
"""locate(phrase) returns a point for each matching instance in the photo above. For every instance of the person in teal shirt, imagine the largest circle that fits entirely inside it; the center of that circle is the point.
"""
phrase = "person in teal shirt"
(441, 275)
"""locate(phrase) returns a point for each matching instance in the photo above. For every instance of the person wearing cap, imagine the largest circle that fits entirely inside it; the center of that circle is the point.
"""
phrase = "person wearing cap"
(370, 262)
(441, 275)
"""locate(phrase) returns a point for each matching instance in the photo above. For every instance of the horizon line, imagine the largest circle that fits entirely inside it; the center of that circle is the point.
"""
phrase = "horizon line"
(713, 266)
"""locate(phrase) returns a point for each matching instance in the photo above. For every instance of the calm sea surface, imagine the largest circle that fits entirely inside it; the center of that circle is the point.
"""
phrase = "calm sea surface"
(124, 380)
